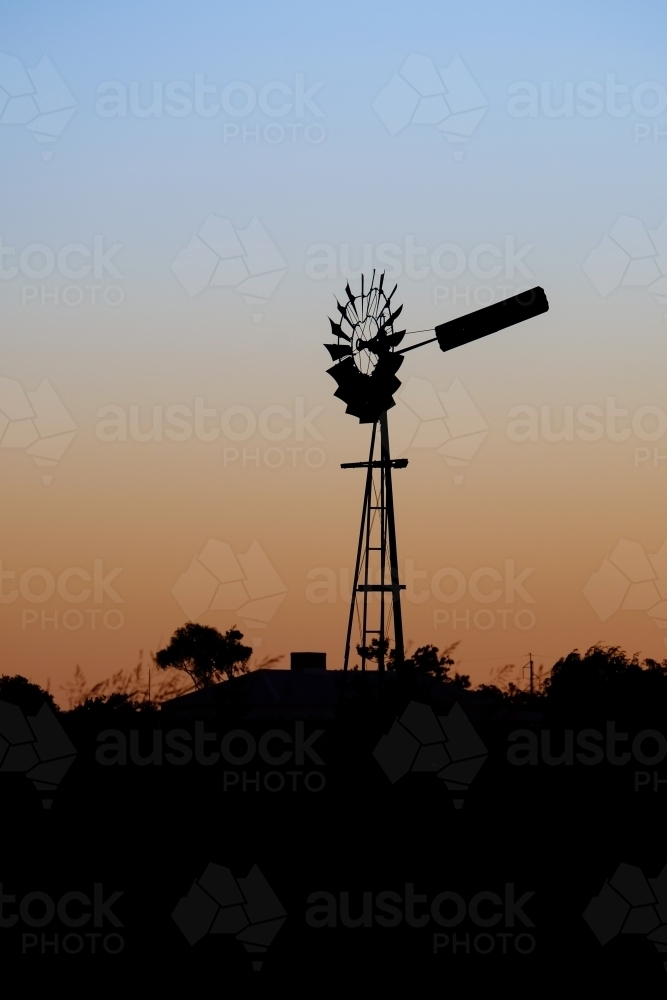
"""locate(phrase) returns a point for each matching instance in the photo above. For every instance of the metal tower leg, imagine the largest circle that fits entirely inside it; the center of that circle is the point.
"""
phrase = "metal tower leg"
(385, 528)
(391, 532)
(365, 520)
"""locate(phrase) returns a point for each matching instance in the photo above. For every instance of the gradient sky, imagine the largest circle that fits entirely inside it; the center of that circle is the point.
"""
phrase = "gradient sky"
(558, 184)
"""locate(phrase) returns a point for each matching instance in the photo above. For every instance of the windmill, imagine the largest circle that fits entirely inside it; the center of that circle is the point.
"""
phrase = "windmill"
(366, 358)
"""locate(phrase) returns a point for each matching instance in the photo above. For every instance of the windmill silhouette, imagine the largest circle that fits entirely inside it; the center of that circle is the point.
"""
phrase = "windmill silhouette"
(366, 359)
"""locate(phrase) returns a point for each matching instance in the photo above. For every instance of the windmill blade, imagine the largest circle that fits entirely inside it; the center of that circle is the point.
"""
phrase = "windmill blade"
(337, 330)
(391, 318)
(394, 315)
(338, 351)
(387, 366)
(367, 396)
(350, 297)
(347, 375)
(491, 319)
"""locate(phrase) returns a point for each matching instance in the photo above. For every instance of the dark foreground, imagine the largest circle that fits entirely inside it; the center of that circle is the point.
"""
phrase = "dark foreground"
(245, 850)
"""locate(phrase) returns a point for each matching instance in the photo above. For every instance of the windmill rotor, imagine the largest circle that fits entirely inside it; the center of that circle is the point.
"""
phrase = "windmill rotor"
(365, 358)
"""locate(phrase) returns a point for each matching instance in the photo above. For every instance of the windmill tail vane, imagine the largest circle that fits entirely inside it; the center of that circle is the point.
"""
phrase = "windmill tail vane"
(366, 361)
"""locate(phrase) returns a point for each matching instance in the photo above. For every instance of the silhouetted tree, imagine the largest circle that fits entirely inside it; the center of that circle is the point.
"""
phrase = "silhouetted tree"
(372, 652)
(22, 692)
(205, 654)
(606, 679)
(429, 662)
(426, 661)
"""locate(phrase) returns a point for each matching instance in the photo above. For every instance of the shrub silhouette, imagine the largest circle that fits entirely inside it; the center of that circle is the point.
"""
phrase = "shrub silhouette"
(125, 689)
(28, 696)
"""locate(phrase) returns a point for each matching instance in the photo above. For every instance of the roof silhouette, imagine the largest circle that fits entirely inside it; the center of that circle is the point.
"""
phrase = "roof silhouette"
(294, 695)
